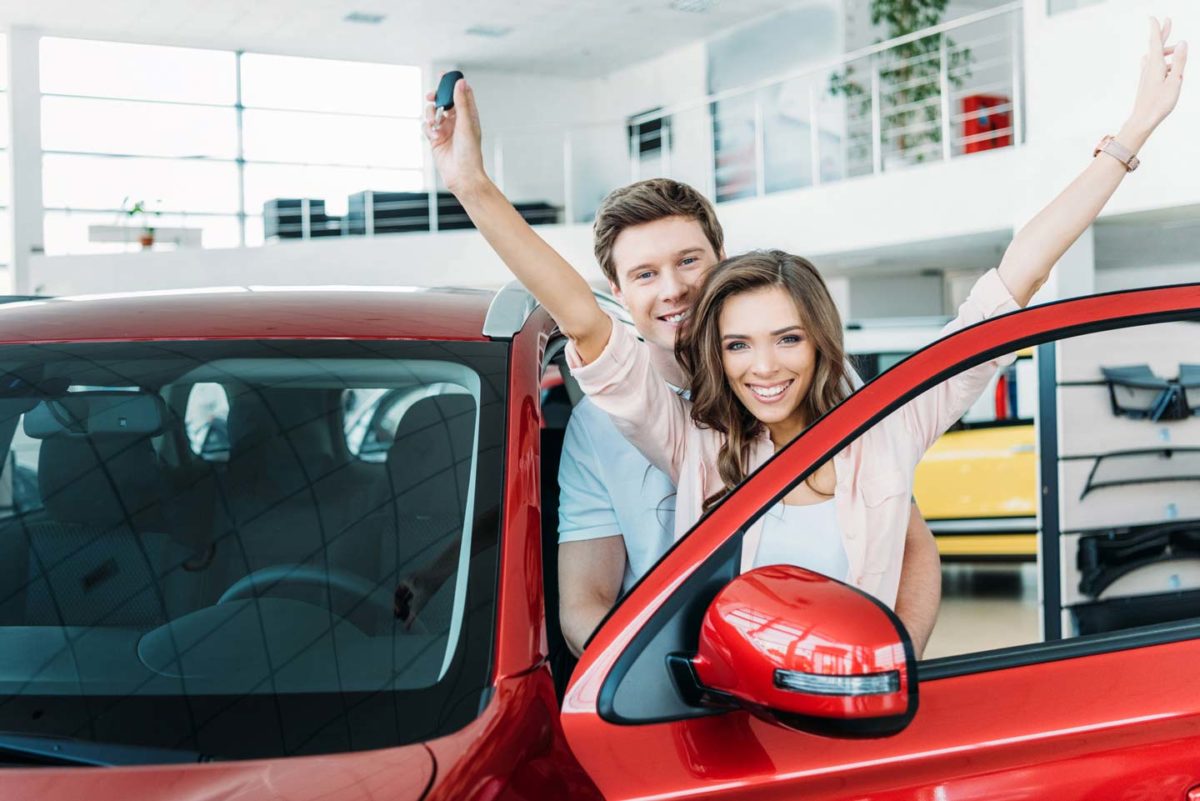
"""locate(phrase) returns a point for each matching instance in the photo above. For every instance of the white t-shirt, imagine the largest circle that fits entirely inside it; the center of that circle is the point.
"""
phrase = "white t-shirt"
(806, 536)
(608, 488)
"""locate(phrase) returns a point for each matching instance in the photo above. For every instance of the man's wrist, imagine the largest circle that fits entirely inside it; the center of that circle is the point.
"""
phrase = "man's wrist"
(472, 188)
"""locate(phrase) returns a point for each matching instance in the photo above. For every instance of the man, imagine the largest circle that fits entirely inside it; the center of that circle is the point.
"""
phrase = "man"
(655, 241)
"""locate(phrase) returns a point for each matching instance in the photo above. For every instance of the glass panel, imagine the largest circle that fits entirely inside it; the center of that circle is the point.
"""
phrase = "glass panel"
(314, 84)
(3, 61)
(98, 182)
(328, 139)
(5, 239)
(211, 596)
(135, 71)
(67, 232)
(332, 184)
(254, 231)
(3, 124)
(1058, 6)
(126, 127)
(5, 182)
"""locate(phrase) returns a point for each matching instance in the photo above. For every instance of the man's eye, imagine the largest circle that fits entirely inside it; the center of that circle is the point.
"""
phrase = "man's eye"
(689, 260)
(644, 276)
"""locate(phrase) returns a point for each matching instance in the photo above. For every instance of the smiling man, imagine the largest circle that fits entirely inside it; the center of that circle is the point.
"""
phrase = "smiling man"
(656, 241)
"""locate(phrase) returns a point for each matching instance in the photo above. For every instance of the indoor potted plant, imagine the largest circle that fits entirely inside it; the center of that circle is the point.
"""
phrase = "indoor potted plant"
(141, 212)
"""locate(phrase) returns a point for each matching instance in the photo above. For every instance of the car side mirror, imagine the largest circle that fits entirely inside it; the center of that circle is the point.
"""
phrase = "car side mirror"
(803, 650)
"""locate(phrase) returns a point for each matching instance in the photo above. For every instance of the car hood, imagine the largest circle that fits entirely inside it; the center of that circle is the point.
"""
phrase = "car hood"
(398, 774)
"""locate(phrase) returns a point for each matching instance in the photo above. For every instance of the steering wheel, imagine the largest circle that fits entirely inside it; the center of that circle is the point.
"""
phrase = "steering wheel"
(356, 590)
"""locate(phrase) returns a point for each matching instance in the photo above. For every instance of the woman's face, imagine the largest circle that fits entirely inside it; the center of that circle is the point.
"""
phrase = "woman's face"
(769, 358)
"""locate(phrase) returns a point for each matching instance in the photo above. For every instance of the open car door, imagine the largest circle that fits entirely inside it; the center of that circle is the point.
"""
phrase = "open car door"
(781, 683)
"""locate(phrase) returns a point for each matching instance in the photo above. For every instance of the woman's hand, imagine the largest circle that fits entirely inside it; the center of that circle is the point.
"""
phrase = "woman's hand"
(1158, 90)
(455, 140)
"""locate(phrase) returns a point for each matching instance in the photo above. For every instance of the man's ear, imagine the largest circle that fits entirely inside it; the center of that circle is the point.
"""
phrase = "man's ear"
(721, 254)
(616, 292)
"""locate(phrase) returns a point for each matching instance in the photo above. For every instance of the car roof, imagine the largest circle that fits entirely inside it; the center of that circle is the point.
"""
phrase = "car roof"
(259, 312)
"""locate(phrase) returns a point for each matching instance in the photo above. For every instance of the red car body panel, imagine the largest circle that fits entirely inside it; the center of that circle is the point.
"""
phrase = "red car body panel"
(240, 313)
(402, 774)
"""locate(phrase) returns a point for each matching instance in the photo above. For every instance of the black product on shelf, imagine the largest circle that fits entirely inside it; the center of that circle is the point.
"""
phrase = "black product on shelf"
(1146, 396)
(1141, 610)
(408, 212)
(1106, 556)
(283, 218)
(1149, 466)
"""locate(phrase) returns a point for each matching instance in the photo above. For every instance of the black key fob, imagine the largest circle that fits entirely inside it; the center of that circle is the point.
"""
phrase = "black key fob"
(444, 99)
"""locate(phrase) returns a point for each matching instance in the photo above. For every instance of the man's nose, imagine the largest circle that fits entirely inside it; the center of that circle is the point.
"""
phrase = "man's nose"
(670, 287)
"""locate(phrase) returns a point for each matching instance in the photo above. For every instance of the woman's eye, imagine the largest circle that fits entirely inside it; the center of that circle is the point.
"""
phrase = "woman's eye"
(736, 346)
(790, 339)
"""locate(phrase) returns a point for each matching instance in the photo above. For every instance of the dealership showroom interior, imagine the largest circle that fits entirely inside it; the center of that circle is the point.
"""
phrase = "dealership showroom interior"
(599, 399)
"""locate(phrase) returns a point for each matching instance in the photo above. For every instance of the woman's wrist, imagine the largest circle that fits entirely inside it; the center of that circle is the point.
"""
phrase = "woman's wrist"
(1134, 133)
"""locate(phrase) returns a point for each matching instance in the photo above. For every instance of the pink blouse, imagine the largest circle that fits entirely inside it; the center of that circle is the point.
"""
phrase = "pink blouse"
(874, 473)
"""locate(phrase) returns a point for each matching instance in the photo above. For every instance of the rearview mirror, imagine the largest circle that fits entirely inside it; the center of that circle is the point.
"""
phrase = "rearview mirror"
(805, 651)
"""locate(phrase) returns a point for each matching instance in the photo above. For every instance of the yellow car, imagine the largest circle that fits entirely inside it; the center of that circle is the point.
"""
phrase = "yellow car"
(977, 485)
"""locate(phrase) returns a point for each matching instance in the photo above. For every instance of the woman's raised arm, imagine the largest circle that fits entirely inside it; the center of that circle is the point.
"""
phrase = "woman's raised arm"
(1041, 243)
(555, 283)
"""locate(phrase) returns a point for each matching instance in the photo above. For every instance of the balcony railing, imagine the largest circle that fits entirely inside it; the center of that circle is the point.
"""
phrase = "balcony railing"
(935, 95)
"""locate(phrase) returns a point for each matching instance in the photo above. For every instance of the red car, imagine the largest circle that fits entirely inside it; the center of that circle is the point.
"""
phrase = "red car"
(284, 544)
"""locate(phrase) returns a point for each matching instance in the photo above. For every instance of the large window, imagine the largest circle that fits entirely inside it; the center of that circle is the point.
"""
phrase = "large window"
(204, 139)
(5, 179)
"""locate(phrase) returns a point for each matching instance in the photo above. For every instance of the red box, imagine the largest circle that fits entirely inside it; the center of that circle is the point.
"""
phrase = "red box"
(979, 127)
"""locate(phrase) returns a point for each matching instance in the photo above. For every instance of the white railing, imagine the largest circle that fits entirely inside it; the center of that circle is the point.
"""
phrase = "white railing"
(934, 95)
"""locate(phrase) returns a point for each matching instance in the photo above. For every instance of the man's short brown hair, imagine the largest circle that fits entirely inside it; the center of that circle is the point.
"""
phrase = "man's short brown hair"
(645, 202)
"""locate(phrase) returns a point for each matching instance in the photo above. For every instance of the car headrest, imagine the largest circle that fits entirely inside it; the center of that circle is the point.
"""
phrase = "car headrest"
(276, 421)
(102, 413)
(429, 460)
(102, 480)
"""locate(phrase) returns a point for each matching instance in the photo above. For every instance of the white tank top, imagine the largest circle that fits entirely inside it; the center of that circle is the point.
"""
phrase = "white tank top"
(805, 536)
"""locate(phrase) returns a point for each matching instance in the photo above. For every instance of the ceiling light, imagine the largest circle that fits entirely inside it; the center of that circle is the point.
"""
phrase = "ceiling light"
(364, 17)
(489, 31)
(693, 6)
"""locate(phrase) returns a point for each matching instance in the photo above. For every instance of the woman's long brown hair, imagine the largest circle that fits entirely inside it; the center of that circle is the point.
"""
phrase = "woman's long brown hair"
(699, 351)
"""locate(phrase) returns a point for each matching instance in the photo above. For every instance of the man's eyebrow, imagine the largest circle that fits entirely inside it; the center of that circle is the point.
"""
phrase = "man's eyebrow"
(774, 333)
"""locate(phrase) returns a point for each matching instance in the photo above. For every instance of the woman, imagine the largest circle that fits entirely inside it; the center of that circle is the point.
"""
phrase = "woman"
(763, 352)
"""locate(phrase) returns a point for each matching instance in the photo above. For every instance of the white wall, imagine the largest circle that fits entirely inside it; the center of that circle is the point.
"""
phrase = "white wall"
(1112, 279)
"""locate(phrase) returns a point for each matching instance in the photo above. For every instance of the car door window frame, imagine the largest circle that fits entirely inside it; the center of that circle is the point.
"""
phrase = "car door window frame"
(617, 646)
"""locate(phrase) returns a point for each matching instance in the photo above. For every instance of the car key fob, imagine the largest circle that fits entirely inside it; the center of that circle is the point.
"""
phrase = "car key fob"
(443, 99)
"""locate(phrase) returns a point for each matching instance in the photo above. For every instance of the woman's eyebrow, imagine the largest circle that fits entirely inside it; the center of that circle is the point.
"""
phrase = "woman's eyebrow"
(774, 333)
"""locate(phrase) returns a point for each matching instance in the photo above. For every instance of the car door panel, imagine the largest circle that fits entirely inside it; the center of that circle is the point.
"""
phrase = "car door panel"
(1066, 725)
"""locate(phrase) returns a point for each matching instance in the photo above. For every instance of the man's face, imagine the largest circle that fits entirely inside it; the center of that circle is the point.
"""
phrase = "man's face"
(660, 266)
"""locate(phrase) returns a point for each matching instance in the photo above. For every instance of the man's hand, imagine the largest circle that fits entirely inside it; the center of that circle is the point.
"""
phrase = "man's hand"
(410, 598)
(455, 140)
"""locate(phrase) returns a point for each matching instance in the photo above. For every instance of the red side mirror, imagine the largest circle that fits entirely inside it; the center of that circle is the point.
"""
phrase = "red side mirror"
(806, 651)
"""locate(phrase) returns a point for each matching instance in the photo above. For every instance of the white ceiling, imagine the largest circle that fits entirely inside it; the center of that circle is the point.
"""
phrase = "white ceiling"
(580, 38)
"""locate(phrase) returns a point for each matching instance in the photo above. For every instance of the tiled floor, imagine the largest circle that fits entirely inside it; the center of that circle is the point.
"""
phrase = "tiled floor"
(985, 607)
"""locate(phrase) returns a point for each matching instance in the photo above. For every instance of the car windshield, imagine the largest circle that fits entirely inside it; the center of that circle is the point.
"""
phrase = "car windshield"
(248, 549)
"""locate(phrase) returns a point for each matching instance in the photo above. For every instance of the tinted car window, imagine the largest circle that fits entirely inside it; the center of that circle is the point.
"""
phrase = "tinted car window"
(245, 605)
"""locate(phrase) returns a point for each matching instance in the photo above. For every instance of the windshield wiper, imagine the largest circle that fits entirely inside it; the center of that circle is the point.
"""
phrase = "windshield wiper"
(24, 748)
